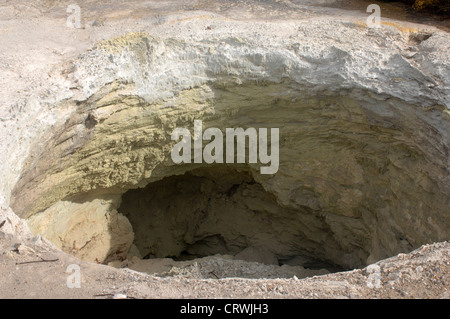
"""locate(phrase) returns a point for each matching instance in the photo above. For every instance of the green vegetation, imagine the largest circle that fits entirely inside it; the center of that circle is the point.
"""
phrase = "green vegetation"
(433, 6)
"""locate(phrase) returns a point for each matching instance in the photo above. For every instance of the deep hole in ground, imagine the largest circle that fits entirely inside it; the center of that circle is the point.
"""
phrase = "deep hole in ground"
(218, 210)
(360, 179)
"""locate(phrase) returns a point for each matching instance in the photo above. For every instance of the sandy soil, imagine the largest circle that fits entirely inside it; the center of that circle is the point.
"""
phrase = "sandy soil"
(32, 268)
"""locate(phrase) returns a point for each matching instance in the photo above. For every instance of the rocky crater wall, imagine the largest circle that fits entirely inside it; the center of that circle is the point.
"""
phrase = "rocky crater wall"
(364, 146)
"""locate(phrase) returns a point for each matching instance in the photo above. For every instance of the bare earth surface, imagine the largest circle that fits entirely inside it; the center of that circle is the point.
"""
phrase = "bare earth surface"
(36, 43)
(36, 270)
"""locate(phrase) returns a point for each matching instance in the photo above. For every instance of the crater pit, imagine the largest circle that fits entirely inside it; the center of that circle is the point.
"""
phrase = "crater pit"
(363, 174)
(219, 210)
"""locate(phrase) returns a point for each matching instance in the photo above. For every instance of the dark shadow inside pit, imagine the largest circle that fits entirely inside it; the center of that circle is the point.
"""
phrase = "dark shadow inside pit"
(218, 210)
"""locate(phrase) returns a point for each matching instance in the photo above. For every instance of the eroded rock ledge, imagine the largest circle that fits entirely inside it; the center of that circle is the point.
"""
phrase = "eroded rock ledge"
(364, 149)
